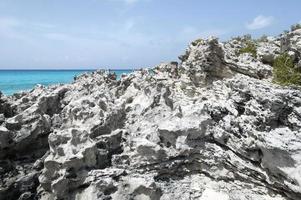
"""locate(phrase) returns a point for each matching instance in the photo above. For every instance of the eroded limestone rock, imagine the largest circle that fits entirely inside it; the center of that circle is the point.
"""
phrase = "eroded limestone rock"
(211, 127)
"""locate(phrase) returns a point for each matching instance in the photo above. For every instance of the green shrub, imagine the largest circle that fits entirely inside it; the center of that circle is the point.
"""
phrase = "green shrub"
(263, 38)
(197, 41)
(249, 48)
(295, 27)
(284, 72)
(244, 38)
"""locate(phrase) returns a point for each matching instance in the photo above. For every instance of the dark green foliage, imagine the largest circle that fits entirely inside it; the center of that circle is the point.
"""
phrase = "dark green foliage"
(284, 72)
(263, 38)
(197, 41)
(244, 38)
(295, 27)
(249, 48)
(249, 45)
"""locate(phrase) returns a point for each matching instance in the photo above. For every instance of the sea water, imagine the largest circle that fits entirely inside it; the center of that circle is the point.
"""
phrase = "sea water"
(13, 81)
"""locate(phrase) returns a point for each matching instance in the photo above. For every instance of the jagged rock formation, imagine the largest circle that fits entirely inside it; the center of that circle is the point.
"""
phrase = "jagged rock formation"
(212, 127)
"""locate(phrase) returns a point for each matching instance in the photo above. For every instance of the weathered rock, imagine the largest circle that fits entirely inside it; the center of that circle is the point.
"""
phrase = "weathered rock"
(268, 50)
(204, 62)
(291, 41)
(247, 64)
(2, 118)
(211, 127)
(5, 107)
(4, 137)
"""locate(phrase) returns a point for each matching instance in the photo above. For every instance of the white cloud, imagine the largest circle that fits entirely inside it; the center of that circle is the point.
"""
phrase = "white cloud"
(8, 28)
(14, 28)
(129, 25)
(121, 42)
(8, 21)
(260, 22)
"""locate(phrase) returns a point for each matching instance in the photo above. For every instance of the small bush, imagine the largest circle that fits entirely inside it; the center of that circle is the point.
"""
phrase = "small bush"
(263, 38)
(295, 27)
(284, 72)
(197, 41)
(249, 48)
(244, 38)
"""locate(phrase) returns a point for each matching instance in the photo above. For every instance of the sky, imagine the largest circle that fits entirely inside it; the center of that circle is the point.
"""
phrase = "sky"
(123, 34)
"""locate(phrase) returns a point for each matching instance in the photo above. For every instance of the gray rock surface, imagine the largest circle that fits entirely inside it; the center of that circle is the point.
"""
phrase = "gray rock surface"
(211, 127)
(245, 63)
(268, 50)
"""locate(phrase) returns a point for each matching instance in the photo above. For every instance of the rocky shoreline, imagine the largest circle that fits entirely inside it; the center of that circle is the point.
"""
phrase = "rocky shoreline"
(214, 126)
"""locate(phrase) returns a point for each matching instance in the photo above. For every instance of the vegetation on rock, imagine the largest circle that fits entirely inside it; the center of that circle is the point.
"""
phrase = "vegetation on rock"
(263, 38)
(244, 38)
(295, 27)
(197, 41)
(249, 48)
(284, 71)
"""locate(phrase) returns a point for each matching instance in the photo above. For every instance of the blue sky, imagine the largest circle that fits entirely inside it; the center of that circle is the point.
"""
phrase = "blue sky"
(65, 34)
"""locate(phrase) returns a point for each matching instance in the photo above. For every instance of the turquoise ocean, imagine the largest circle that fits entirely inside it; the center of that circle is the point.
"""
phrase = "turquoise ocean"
(13, 81)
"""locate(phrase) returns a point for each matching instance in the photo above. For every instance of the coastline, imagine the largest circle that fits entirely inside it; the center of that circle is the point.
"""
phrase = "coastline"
(13, 80)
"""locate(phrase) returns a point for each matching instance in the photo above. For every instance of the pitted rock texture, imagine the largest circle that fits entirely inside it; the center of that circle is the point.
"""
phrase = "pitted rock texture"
(211, 127)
